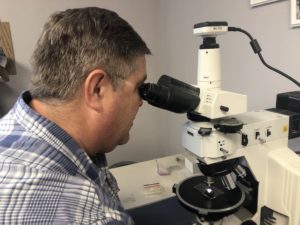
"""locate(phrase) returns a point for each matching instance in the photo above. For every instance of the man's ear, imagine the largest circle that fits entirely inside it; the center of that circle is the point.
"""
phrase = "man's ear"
(94, 87)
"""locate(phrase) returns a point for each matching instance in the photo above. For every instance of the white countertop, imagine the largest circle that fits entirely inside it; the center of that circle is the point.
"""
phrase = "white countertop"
(150, 181)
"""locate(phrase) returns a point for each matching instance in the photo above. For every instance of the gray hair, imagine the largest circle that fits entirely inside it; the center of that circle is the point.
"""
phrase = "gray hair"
(76, 41)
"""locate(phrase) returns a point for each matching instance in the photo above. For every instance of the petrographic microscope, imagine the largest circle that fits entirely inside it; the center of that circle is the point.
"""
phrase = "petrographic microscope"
(248, 174)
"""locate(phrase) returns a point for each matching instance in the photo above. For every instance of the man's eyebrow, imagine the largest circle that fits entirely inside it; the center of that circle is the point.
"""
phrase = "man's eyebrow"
(143, 80)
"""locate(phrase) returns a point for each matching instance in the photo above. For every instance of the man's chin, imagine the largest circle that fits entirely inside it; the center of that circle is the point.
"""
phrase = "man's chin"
(124, 140)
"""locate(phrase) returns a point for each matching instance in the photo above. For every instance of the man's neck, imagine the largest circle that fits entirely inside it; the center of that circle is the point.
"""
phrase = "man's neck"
(67, 115)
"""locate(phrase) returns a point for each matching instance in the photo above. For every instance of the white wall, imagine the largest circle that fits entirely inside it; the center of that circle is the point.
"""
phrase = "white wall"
(166, 25)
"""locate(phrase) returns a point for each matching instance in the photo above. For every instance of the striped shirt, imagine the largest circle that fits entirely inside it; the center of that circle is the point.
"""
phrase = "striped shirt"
(46, 178)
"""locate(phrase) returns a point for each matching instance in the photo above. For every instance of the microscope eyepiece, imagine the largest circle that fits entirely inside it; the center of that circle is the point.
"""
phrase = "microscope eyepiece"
(171, 94)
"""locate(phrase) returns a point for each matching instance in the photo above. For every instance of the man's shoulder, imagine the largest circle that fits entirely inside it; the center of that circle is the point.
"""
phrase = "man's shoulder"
(25, 149)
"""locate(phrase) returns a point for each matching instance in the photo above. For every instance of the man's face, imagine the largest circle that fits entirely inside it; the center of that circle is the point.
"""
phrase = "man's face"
(124, 105)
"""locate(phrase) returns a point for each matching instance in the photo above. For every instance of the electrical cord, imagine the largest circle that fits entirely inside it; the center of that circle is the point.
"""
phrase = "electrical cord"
(257, 50)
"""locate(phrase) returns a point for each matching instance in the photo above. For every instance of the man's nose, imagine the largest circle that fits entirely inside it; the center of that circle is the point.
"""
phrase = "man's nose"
(141, 101)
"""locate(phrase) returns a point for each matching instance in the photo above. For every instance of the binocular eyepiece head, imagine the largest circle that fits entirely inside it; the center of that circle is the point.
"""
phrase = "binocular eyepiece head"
(171, 94)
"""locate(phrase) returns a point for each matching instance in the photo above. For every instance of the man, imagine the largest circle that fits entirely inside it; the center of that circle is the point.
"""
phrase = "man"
(87, 69)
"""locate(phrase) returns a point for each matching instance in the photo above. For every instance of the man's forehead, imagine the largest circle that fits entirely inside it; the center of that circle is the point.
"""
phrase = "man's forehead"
(139, 74)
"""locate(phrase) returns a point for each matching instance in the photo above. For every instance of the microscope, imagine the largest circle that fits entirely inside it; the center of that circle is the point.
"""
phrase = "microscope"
(248, 174)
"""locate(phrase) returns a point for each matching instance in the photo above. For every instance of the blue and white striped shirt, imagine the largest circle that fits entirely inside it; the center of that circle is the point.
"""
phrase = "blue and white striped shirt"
(46, 178)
